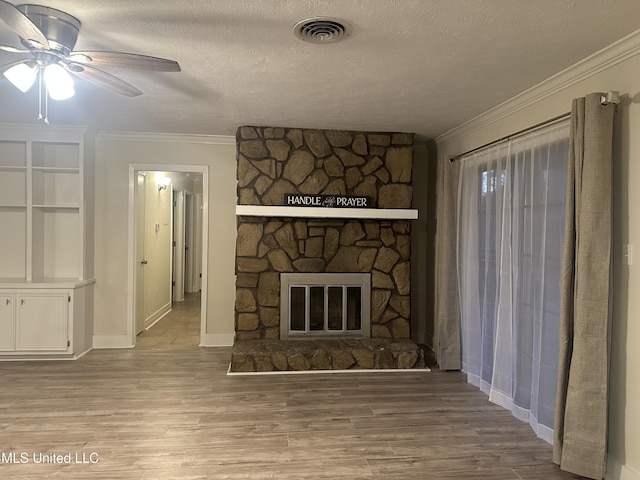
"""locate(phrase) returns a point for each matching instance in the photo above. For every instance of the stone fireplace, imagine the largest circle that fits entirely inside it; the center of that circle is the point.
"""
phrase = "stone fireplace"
(276, 162)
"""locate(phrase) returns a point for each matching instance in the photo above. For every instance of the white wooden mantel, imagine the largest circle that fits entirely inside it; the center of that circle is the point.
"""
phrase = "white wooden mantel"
(326, 212)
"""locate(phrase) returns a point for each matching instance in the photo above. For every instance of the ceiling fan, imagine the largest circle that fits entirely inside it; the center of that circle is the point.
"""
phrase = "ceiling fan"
(49, 36)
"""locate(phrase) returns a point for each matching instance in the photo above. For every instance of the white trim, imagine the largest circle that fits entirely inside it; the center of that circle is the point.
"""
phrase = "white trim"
(157, 316)
(133, 168)
(618, 471)
(326, 212)
(204, 282)
(168, 138)
(111, 341)
(77, 356)
(37, 357)
(40, 358)
(59, 133)
(352, 370)
(613, 54)
(543, 432)
(47, 283)
(216, 339)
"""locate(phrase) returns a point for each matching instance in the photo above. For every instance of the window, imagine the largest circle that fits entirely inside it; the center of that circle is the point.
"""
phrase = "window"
(510, 240)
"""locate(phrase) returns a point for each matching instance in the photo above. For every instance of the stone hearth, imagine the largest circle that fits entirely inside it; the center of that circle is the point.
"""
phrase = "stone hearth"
(302, 355)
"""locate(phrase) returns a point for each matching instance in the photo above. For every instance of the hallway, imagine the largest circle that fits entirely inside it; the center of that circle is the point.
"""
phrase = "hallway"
(180, 327)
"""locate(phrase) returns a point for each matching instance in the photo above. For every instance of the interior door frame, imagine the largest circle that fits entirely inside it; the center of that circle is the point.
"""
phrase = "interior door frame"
(139, 236)
(131, 274)
(178, 236)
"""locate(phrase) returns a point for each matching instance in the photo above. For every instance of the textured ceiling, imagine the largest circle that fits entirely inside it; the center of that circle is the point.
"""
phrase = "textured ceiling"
(421, 66)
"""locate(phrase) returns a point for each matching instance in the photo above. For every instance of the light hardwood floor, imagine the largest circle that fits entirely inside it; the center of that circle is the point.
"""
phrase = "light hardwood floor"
(167, 410)
(180, 327)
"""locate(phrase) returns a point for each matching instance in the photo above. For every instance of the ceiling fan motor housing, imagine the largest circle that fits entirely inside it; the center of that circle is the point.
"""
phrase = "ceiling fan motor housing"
(60, 28)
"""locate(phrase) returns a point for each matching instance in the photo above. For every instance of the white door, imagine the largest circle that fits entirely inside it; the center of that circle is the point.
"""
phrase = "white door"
(41, 321)
(7, 332)
(197, 244)
(178, 246)
(139, 255)
(188, 243)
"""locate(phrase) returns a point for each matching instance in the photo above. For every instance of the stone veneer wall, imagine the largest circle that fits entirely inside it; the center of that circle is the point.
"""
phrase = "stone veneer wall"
(273, 162)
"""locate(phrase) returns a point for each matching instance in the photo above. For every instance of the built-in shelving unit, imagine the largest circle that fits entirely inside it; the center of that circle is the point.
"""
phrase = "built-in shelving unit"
(326, 212)
(46, 238)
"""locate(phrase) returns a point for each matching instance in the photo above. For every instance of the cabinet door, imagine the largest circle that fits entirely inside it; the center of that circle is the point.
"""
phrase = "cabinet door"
(7, 332)
(42, 321)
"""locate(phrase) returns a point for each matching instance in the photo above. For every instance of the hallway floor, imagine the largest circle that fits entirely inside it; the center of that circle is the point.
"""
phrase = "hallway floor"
(180, 327)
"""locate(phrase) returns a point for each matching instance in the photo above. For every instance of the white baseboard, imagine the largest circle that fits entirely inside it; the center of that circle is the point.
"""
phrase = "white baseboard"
(216, 339)
(123, 341)
(111, 341)
(83, 353)
(618, 471)
(157, 316)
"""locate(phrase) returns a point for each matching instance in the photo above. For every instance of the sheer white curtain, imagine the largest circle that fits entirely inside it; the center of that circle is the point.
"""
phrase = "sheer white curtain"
(509, 238)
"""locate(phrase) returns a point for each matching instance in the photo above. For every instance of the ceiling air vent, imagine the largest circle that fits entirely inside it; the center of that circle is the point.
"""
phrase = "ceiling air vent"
(322, 30)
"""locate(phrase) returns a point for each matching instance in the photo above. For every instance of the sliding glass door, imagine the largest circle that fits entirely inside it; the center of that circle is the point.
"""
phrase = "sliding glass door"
(510, 237)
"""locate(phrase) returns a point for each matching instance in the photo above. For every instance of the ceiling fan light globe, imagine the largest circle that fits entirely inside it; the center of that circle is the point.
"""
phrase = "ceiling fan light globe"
(58, 81)
(22, 76)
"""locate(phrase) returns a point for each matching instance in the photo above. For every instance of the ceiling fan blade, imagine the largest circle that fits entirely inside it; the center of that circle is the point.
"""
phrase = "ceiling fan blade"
(20, 23)
(7, 66)
(124, 60)
(7, 48)
(101, 79)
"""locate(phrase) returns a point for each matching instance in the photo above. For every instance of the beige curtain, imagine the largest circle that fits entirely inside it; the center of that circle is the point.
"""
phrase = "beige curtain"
(447, 313)
(581, 404)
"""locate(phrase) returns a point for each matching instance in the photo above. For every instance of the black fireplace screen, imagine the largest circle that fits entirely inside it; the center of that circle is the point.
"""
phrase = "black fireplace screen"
(330, 308)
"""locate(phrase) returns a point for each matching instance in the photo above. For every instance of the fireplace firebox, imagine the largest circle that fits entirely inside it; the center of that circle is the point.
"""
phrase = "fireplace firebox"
(325, 305)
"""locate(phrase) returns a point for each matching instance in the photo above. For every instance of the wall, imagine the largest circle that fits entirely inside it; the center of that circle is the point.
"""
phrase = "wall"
(423, 242)
(616, 68)
(273, 162)
(114, 154)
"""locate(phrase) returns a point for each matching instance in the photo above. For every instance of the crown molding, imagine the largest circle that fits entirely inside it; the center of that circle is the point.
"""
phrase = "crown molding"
(53, 132)
(169, 137)
(617, 52)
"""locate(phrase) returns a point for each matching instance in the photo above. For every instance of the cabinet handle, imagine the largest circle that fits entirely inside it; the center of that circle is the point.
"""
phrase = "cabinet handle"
(22, 301)
(143, 262)
(8, 301)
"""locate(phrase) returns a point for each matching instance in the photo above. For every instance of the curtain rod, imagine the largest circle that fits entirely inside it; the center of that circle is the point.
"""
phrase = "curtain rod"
(513, 135)
(605, 99)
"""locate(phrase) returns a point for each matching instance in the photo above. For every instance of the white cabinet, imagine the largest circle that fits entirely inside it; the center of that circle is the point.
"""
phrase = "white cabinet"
(46, 239)
(7, 322)
(52, 321)
(42, 321)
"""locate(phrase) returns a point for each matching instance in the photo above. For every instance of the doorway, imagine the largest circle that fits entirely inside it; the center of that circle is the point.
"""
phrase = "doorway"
(167, 204)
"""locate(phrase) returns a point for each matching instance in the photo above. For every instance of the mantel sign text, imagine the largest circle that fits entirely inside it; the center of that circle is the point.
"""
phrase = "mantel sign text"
(331, 201)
